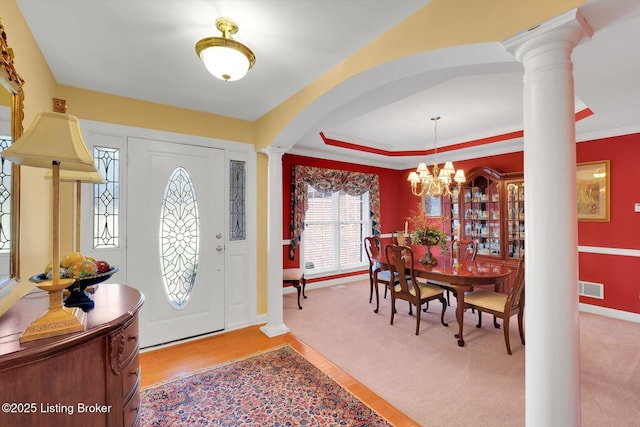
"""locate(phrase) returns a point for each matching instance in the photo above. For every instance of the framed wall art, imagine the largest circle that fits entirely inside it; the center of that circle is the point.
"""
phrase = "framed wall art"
(593, 190)
(432, 206)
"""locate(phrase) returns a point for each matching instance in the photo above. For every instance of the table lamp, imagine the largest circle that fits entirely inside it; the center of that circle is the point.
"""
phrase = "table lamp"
(78, 177)
(54, 141)
(78, 296)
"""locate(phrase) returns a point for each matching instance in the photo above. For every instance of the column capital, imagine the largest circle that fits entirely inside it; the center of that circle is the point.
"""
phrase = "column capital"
(273, 152)
(570, 27)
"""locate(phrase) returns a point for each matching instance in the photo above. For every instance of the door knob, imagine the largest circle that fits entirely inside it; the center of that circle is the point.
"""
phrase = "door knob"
(219, 248)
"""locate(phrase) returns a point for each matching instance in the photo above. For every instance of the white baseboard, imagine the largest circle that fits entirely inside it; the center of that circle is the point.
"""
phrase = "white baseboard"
(609, 312)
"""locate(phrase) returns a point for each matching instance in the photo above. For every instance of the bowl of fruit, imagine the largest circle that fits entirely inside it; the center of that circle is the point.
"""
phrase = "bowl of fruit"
(85, 270)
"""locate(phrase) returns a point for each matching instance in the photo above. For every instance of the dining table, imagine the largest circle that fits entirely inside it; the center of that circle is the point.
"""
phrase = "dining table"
(460, 277)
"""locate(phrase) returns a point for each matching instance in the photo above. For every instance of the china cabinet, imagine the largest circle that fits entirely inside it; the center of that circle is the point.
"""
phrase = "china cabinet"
(514, 216)
(489, 208)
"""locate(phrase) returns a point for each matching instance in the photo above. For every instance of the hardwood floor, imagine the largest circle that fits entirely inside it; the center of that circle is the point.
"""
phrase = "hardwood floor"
(181, 359)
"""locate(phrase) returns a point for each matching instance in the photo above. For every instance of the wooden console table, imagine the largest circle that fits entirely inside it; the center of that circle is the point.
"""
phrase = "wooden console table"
(86, 378)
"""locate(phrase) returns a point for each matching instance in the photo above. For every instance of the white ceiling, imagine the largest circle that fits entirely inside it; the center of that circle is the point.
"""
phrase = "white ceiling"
(144, 49)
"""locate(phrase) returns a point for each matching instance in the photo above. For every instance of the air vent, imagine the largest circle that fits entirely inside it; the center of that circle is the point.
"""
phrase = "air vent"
(590, 289)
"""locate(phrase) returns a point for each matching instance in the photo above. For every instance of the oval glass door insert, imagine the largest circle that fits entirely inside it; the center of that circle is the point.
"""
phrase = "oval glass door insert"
(179, 241)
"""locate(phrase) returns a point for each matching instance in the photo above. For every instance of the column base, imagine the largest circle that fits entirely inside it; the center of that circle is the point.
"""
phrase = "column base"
(272, 331)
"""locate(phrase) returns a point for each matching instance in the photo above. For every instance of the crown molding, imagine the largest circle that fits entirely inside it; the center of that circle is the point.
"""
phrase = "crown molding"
(608, 133)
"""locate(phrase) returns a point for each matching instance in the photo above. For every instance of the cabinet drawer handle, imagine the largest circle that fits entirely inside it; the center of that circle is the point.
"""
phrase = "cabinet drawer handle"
(133, 338)
(134, 409)
(134, 372)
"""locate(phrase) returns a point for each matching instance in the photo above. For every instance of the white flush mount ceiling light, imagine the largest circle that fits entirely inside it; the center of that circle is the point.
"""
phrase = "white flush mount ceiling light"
(224, 57)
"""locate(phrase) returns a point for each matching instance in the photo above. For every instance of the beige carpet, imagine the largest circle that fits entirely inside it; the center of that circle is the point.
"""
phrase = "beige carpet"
(437, 383)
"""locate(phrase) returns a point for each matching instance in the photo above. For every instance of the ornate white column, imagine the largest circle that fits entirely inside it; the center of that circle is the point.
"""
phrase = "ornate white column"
(275, 322)
(552, 352)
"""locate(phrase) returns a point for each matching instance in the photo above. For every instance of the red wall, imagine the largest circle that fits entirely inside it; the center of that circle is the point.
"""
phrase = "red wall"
(623, 229)
(622, 288)
(617, 273)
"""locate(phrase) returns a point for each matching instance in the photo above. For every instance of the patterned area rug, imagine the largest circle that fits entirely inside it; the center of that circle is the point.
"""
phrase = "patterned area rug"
(276, 388)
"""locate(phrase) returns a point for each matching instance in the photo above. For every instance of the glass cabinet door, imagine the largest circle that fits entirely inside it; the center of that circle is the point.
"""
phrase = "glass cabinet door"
(482, 214)
(515, 218)
(454, 214)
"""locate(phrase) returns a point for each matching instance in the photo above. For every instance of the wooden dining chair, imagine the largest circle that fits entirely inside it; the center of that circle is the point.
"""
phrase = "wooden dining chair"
(468, 252)
(501, 305)
(376, 273)
(468, 249)
(394, 237)
(408, 287)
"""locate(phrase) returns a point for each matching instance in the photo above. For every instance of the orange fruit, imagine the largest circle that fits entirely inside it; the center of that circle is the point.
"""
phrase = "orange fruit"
(71, 258)
(81, 269)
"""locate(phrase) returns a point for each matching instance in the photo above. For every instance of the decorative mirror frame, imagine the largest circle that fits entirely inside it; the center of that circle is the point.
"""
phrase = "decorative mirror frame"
(10, 79)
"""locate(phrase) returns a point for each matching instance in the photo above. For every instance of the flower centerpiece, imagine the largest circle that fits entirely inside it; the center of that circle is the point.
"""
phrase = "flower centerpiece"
(427, 232)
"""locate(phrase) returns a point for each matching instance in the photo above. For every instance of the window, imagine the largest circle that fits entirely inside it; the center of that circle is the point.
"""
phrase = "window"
(106, 199)
(179, 241)
(330, 180)
(237, 202)
(5, 199)
(335, 227)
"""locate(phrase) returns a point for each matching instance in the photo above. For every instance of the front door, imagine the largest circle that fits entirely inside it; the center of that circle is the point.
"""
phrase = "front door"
(175, 228)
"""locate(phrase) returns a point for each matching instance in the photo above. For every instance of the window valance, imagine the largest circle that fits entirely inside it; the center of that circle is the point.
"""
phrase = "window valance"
(329, 180)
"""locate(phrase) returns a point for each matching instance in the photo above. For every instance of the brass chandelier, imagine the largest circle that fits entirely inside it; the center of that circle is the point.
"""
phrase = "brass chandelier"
(437, 182)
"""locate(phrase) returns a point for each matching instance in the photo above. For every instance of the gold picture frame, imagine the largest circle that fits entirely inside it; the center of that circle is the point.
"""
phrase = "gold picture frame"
(432, 206)
(593, 190)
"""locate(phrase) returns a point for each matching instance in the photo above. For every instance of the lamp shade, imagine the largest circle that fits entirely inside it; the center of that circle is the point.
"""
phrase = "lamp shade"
(460, 178)
(88, 177)
(448, 168)
(52, 137)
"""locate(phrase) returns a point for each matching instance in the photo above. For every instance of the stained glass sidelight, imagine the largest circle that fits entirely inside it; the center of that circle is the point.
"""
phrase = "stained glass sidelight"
(106, 198)
(179, 237)
(237, 202)
(5, 197)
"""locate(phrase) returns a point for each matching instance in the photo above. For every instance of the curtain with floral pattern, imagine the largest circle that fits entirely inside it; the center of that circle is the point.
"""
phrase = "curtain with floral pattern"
(329, 180)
